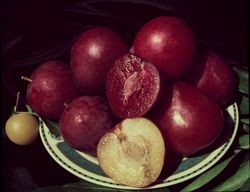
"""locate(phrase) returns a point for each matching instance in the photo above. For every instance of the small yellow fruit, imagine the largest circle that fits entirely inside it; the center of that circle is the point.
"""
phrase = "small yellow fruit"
(22, 128)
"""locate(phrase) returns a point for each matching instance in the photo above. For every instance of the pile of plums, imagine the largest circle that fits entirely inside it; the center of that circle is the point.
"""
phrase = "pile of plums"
(129, 105)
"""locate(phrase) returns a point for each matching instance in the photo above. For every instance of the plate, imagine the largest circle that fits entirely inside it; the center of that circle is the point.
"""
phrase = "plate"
(86, 167)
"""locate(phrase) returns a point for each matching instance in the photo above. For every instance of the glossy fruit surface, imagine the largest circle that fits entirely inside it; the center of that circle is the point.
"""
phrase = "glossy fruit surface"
(190, 121)
(167, 42)
(132, 86)
(84, 121)
(22, 128)
(92, 56)
(52, 86)
(132, 153)
(214, 77)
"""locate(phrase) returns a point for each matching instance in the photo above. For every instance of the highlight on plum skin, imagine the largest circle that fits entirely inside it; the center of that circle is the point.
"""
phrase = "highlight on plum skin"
(50, 86)
(189, 120)
(167, 42)
(84, 121)
(132, 86)
(214, 77)
(92, 55)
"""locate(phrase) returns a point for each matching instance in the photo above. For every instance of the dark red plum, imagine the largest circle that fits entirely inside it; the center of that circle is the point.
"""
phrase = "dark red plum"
(92, 56)
(214, 77)
(167, 42)
(132, 86)
(190, 121)
(84, 121)
(50, 88)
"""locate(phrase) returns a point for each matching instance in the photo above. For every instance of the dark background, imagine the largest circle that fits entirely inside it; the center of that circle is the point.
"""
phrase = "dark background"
(35, 31)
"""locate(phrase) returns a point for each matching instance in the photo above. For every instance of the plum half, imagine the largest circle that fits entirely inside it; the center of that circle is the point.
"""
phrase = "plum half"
(51, 86)
(92, 56)
(189, 120)
(167, 42)
(132, 153)
(84, 121)
(214, 77)
(132, 86)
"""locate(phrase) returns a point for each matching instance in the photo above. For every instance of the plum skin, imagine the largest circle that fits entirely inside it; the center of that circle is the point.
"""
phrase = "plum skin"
(92, 56)
(132, 86)
(52, 86)
(190, 121)
(167, 42)
(84, 121)
(214, 77)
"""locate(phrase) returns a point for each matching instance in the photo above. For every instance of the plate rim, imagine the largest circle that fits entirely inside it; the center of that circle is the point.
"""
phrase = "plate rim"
(108, 182)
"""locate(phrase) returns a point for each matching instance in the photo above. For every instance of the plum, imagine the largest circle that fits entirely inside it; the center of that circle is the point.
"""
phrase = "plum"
(84, 121)
(92, 56)
(167, 42)
(132, 153)
(51, 86)
(214, 77)
(132, 86)
(189, 120)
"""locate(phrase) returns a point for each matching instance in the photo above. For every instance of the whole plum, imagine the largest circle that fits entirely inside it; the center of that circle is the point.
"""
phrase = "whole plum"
(167, 42)
(92, 56)
(84, 121)
(51, 86)
(189, 120)
(214, 77)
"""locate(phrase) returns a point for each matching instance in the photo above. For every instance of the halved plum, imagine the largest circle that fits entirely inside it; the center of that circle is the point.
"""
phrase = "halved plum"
(132, 86)
(133, 152)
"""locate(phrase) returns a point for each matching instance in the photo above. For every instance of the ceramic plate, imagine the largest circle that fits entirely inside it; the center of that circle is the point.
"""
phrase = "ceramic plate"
(86, 167)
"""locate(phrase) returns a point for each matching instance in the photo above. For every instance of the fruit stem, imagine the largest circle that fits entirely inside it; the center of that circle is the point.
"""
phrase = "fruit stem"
(17, 101)
(26, 79)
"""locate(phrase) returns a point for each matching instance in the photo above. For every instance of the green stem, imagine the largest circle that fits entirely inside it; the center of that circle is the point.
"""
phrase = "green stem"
(17, 101)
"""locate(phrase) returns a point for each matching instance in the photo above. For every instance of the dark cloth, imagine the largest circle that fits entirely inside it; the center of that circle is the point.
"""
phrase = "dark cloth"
(30, 28)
